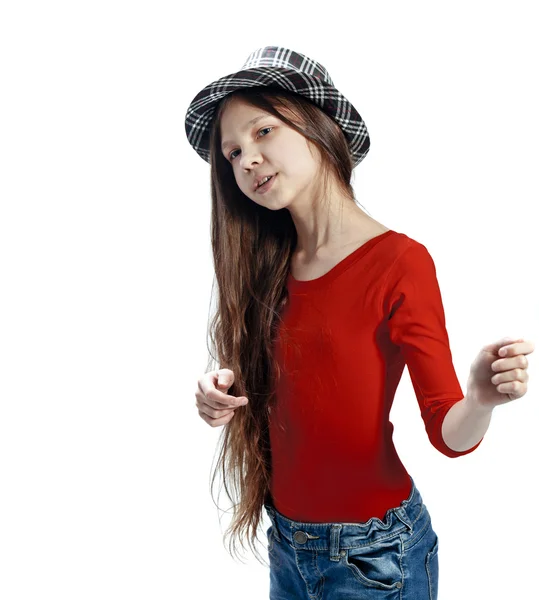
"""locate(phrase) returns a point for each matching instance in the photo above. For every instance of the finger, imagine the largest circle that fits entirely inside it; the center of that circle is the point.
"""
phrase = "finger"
(512, 387)
(506, 388)
(216, 422)
(508, 376)
(519, 346)
(506, 364)
(214, 412)
(211, 409)
(222, 401)
(214, 397)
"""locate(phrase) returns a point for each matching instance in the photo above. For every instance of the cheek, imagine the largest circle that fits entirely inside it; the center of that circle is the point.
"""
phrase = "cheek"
(246, 189)
(300, 165)
(241, 183)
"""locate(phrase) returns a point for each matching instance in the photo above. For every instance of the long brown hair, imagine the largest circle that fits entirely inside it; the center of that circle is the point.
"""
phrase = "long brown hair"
(252, 248)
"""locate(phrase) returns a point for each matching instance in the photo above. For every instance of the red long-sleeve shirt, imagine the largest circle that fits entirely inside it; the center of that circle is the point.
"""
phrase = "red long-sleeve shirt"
(345, 339)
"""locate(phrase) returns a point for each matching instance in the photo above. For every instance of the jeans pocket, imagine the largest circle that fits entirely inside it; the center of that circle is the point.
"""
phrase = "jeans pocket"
(432, 570)
(377, 565)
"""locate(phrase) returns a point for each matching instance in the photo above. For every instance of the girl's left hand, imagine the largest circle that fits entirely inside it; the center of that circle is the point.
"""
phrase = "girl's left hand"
(494, 380)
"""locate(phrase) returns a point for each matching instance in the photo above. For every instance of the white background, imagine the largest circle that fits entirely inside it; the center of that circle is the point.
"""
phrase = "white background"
(106, 274)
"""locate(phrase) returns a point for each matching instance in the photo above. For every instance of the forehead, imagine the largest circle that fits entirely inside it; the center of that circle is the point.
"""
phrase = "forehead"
(237, 115)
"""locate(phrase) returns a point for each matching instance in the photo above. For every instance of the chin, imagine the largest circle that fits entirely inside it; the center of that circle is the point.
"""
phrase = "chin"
(271, 203)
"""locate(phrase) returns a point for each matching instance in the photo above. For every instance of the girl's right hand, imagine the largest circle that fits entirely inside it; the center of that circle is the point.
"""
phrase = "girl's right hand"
(214, 405)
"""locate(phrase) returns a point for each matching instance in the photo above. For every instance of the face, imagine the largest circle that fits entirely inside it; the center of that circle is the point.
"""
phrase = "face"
(268, 147)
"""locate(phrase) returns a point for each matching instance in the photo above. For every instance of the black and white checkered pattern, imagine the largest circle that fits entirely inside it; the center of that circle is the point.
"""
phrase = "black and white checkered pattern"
(273, 65)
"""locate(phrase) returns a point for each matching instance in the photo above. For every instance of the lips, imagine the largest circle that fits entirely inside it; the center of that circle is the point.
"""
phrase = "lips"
(259, 179)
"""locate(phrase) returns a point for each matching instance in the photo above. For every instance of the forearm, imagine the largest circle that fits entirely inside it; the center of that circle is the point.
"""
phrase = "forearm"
(466, 423)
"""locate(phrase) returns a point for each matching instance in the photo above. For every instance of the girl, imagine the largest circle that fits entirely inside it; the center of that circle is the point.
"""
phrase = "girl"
(320, 308)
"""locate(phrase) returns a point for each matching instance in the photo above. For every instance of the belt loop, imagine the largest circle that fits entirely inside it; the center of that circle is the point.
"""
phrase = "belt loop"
(334, 542)
(403, 516)
(273, 519)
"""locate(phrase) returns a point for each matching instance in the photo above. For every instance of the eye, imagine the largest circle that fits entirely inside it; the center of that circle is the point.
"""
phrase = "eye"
(263, 129)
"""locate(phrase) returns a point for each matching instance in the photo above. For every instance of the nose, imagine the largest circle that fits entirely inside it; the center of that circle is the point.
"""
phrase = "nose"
(248, 158)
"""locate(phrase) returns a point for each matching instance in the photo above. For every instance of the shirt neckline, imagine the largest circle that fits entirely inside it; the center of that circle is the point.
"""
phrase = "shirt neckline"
(309, 284)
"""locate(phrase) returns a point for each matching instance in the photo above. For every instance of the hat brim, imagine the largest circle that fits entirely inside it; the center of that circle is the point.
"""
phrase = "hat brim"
(201, 109)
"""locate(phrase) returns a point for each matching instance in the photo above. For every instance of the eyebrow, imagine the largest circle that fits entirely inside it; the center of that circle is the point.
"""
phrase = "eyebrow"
(249, 124)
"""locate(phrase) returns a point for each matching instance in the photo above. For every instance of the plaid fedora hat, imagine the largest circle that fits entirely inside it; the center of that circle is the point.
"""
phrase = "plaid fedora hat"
(277, 66)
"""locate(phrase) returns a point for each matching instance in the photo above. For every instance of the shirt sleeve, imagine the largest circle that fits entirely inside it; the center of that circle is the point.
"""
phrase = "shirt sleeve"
(416, 324)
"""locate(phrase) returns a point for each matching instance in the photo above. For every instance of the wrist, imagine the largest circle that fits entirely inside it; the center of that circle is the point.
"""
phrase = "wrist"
(473, 401)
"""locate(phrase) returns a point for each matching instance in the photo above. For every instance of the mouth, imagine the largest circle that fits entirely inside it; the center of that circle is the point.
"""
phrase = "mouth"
(266, 186)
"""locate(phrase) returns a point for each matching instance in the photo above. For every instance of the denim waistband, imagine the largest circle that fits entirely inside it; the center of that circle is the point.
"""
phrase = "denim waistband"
(337, 536)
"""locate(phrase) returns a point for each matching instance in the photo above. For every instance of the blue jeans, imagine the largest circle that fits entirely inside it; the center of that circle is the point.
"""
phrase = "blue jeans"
(393, 559)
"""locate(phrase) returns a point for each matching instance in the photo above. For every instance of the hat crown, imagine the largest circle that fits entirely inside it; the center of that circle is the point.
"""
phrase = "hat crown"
(277, 56)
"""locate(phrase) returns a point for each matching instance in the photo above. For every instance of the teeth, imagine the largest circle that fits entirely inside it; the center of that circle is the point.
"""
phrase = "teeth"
(264, 180)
